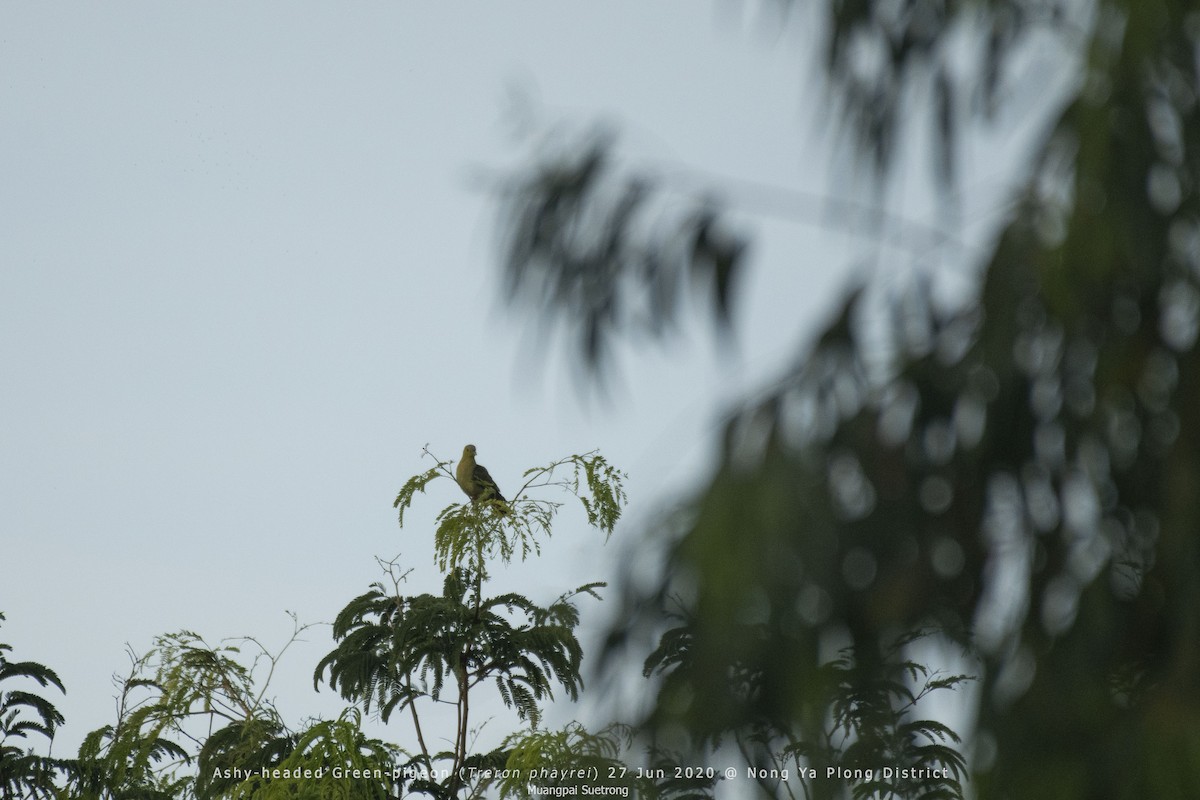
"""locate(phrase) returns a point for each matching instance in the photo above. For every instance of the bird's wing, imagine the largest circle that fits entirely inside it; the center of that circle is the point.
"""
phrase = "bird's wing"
(488, 490)
(484, 480)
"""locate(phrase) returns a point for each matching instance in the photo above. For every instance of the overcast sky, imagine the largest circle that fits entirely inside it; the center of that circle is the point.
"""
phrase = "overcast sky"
(247, 270)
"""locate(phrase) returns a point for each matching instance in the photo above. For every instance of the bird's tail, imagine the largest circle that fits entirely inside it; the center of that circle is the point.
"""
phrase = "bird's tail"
(497, 501)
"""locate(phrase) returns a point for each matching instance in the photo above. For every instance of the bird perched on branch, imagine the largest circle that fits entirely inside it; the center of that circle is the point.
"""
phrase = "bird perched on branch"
(475, 480)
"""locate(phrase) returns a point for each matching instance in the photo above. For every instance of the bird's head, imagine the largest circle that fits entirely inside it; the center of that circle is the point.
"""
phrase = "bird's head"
(469, 450)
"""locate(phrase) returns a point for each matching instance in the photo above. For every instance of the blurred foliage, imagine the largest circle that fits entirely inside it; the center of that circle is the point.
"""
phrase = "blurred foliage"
(1019, 476)
(608, 253)
(860, 717)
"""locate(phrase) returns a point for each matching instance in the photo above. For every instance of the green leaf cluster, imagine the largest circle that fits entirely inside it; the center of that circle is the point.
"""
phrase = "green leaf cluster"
(473, 535)
(23, 772)
(193, 719)
(147, 752)
(569, 759)
(395, 650)
(403, 654)
(330, 760)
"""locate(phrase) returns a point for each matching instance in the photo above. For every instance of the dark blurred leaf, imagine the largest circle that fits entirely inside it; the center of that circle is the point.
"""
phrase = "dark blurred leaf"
(605, 254)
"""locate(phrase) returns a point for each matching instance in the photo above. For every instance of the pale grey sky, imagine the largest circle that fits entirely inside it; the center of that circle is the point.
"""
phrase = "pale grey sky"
(246, 273)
